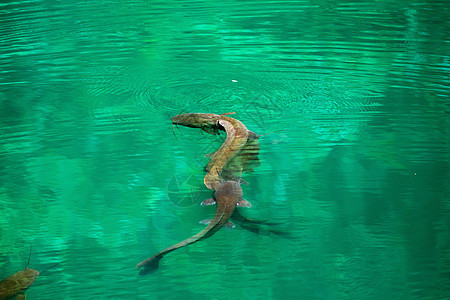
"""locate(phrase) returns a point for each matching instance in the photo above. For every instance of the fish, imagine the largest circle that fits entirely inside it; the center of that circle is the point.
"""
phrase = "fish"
(227, 195)
(16, 284)
(237, 138)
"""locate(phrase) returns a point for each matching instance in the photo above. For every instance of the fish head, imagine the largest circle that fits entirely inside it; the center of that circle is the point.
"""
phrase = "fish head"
(26, 277)
(31, 274)
(195, 120)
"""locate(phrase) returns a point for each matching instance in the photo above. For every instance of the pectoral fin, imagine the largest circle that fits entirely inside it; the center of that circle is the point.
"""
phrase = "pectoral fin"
(242, 181)
(209, 201)
(244, 203)
(229, 225)
(206, 222)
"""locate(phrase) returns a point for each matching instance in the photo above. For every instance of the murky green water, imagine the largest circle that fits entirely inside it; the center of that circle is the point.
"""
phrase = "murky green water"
(352, 99)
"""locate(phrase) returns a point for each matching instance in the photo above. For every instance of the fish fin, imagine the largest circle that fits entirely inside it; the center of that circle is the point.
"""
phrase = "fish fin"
(239, 180)
(244, 203)
(228, 113)
(206, 222)
(150, 265)
(229, 225)
(209, 201)
(242, 181)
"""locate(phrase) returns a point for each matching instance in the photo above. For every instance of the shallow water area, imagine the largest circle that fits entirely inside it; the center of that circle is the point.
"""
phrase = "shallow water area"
(350, 100)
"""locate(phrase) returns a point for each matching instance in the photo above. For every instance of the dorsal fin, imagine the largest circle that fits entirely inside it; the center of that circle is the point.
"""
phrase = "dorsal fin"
(228, 113)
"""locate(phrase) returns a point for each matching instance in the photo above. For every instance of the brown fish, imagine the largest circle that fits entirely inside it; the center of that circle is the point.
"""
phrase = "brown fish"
(227, 196)
(15, 284)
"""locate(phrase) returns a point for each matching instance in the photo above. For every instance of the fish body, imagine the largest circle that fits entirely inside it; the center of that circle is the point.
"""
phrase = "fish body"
(227, 196)
(237, 135)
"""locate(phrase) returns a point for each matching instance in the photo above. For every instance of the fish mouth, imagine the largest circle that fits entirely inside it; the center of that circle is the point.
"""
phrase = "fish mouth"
(175, 120)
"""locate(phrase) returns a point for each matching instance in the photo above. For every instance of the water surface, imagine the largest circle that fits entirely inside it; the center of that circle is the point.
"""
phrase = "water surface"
(351, 99)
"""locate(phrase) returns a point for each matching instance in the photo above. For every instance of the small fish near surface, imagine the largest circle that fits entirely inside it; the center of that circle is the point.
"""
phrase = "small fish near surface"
(14, 286)
(17, 283)
(227, 196)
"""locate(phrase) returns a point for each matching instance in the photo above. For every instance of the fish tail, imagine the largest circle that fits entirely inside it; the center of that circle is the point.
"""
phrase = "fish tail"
(150, 265)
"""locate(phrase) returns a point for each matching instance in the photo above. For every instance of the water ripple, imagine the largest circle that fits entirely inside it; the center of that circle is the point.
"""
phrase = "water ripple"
(351, 100)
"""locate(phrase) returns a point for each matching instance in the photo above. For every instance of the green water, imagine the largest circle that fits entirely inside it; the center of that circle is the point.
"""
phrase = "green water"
(352, 99)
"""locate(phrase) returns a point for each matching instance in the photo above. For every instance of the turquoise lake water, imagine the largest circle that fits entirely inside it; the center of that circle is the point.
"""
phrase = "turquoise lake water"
(351, 100)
